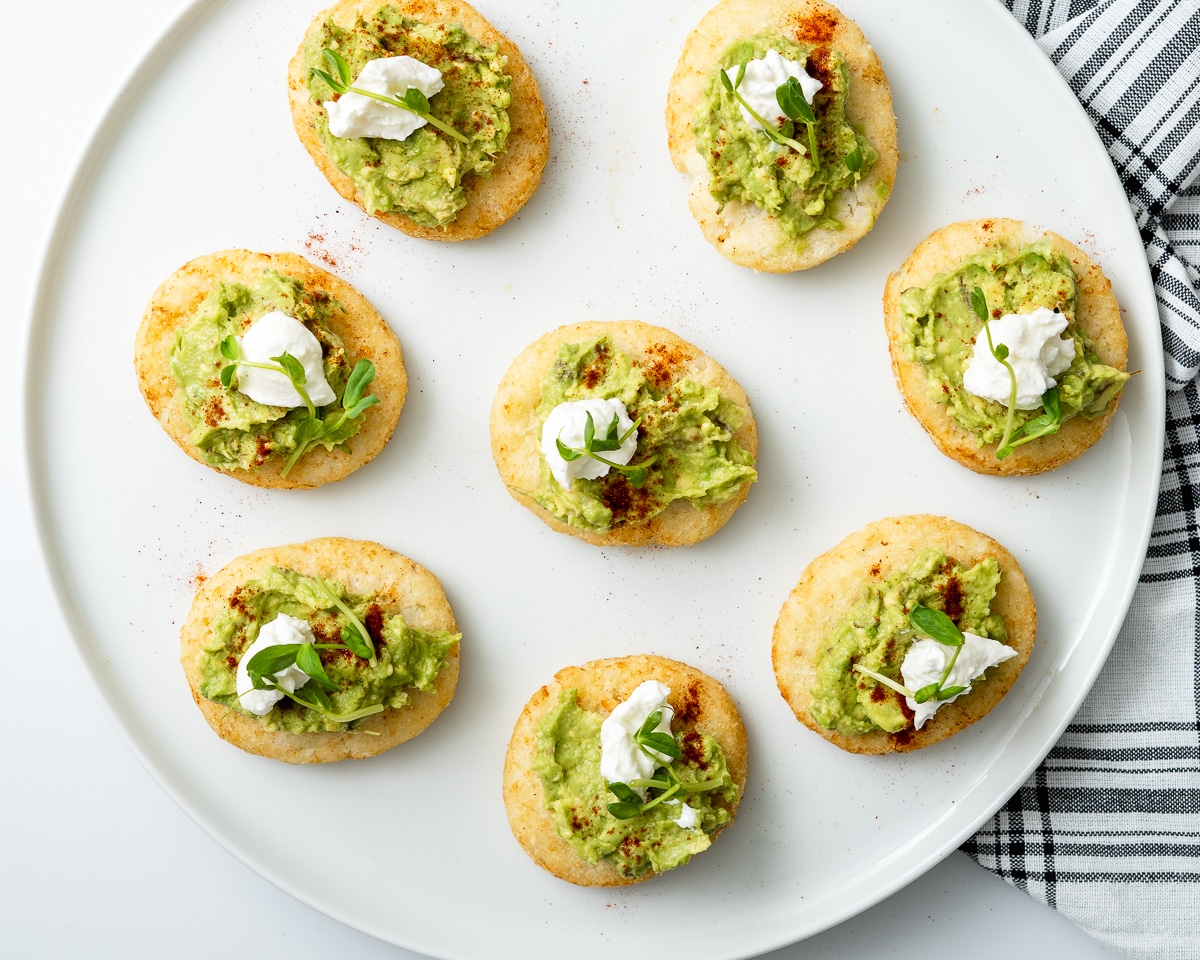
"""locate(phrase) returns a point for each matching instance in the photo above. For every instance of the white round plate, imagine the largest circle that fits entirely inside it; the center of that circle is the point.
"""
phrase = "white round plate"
(198, 154)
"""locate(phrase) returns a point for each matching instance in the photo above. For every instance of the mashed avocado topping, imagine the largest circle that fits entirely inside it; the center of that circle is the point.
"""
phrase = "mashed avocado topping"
(940, 328)
(877, 634)
(568, 764)
(231, 431)
(407, 659)
(421, 176)
(745, 165)
(685, 435)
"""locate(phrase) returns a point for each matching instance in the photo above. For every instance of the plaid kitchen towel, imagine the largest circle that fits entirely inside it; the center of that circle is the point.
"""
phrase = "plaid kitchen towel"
(1107, 830)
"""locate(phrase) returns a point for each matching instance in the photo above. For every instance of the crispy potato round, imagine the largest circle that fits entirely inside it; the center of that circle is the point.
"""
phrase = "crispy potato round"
(700, 703)
(516, 428)
(1099, 317)
(365, 333)
(742, 232)
(402, 586)
(491, 200)
(829, 587)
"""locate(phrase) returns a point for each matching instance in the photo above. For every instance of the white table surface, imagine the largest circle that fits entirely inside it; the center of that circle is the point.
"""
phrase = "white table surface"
(97, 860)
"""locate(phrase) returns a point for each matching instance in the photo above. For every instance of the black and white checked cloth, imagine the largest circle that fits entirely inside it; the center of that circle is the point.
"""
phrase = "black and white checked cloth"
(1108, 828)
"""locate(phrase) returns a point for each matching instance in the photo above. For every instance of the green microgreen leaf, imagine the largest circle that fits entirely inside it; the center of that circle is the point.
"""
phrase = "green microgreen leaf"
(936, 625)
(360, 378)
(270, 660)
(229, 348)
(647, 739)
(611, 439)
(662, 743)
(926, 693)
(358, 408)
(227, 374)
(854, 159)
(790, 97)
(566, 452)
(338, 62)
(593, 446)
(416, 101)
(1050, 403)
(336, 85)
(308, 660)
(292, 367)
(622, 791)
(315, 698)
(979, 304)
(355, 638)
(625, 809)
(653, 719)
(589, 433)
(1043, 425)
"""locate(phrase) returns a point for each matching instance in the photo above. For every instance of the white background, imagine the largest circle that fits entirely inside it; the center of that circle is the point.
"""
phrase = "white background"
(97, 859)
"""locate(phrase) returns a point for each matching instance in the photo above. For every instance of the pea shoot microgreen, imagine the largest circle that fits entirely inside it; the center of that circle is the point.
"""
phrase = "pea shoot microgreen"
(1043, 425)
(285, 363)
(665, 782)
(353, 405)
(937, 626)
(354, 634)
(414, 101)
(265, 664)
(313, 428)
(790, 98)
(613, 439)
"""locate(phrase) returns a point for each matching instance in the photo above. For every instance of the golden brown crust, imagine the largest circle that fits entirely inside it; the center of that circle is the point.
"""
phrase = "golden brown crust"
(700, 703)
(362, 329)
(401, 585)
(828, 589)
(1099, 317)
(742, 232)
(491, 200)
(516, 429)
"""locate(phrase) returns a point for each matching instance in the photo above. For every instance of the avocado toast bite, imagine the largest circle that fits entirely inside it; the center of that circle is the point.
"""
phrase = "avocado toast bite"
(623, 768)
(780, 114)
(1046, 387)
(906, 632)
(269, 369)
(620, 432)
(468, 150)
(320, 651)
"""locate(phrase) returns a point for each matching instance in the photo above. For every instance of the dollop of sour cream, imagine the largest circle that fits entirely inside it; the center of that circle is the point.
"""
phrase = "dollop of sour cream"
(926, 660)
(353, 115)
(621, 760)
(272, 335)
(1036, 352)
(567, 422)
(762, 78)
(283, 629)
